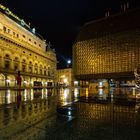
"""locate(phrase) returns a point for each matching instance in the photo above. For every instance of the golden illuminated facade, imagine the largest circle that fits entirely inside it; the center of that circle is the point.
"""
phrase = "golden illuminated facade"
(108, 48)
(22, 49)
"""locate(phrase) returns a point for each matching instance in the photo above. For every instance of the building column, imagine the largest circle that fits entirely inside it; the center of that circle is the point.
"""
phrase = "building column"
(27, 68)
(33, 69)
(2, 60)
(5, 80)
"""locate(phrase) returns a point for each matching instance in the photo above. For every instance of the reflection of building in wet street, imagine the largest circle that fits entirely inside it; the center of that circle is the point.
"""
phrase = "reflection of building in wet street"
(25, 117)
(116, 95)
(15, 96)
(22, 49)
(37, 114)
(107, 121)
(109, 48)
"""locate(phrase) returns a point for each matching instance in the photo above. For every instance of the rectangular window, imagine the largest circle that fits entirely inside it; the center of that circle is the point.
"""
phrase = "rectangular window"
(49, 74)
(40, 71)
(16, 67)
(23, 68)
(9, 31)
(44, 72)
(30, 69)
(7, 64)
(36, 70)
(4, 28)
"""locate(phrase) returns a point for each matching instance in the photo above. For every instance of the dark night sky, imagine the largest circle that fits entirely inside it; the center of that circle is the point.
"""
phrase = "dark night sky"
(59, 21)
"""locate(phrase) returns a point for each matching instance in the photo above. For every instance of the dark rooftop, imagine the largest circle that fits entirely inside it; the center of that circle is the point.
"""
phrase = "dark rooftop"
(115, 23)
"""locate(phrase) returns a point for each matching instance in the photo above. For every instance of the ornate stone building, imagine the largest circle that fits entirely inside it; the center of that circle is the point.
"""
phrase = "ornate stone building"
(22, 49)
(65, 77)
(108, 48)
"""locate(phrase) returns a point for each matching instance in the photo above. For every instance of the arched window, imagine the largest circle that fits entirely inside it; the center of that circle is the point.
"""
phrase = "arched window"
(30, 66)
(36, 68)
(7, 61)
(23, 65)
(16, 63)
(40, 69)
(45, 70)
(49, 72)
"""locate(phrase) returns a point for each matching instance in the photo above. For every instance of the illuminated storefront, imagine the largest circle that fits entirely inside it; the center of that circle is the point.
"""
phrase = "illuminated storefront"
(65, 77)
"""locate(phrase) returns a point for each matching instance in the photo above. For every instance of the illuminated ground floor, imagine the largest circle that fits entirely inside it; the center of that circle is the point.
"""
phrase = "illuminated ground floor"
(105, 83)
(27, 81)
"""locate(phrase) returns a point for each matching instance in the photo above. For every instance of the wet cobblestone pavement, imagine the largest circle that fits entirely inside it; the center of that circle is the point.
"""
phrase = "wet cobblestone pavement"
(89, 118)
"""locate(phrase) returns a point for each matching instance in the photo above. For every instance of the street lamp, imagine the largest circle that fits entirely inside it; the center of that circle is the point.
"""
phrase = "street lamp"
(68, 63)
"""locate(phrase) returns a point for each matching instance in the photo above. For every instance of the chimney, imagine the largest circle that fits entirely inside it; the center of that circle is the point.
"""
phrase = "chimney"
(107, 14)
(124, 6)
(127, 5)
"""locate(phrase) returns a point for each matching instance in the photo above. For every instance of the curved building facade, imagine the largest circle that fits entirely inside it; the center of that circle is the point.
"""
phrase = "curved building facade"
(22, 49)
(108, 48)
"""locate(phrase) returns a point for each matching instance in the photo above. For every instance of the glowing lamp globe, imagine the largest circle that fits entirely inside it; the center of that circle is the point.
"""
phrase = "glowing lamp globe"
(69, 61)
